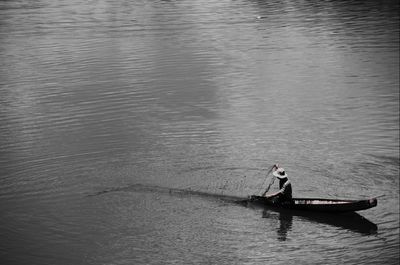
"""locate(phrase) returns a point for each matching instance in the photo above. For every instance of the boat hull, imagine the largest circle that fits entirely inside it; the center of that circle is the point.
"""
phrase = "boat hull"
(317, 205)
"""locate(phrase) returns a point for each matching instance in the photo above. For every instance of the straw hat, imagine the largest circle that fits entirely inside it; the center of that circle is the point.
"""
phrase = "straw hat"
(279, 173)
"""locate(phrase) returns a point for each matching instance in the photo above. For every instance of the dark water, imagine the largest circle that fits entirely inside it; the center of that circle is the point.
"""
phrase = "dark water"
(106, 105)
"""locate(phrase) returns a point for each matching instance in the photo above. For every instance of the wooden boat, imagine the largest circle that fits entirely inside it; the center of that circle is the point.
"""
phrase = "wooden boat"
(318, 205)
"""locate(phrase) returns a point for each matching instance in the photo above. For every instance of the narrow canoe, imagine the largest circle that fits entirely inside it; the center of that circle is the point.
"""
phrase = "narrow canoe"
(318, 205)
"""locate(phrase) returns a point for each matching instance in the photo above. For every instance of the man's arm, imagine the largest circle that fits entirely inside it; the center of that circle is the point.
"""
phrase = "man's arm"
(281, 191)
(274, 194)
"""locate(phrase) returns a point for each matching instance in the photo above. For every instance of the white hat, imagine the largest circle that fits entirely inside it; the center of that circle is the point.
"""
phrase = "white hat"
(279, 173)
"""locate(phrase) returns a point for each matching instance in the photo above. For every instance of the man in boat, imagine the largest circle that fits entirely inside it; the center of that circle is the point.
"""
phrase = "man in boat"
(284, 195)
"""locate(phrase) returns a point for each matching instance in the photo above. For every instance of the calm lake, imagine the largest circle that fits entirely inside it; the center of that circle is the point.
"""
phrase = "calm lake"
(127, 129)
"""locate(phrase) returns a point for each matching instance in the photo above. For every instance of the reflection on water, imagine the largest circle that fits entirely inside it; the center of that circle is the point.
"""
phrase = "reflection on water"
(285, 223)
(349, 221)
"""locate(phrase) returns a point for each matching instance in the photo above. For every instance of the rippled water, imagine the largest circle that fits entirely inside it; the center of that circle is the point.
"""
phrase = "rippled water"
(119, 119)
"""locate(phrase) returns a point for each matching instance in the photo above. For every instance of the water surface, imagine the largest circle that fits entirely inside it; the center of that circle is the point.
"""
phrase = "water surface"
(105, 106)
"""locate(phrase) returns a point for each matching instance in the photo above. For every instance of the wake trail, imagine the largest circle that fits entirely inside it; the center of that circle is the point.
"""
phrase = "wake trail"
(173, 191)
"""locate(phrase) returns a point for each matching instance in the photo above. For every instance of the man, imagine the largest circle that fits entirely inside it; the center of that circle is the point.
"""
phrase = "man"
(284, 195)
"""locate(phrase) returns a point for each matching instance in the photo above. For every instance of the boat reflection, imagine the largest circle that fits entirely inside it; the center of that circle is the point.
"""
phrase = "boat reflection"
(351, 221)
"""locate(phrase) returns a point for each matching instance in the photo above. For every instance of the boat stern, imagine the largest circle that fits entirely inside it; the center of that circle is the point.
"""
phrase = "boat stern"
(373, 202)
